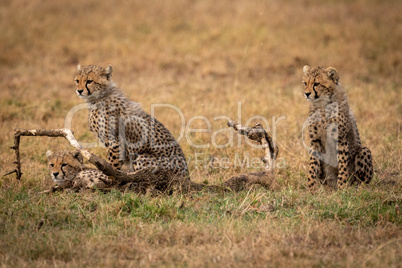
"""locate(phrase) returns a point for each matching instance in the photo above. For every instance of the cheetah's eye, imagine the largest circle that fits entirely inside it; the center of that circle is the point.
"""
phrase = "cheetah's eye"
(52, 165)
(63, 165)
(304, 83)
(77, 81)
(89, 82)
(316, 84)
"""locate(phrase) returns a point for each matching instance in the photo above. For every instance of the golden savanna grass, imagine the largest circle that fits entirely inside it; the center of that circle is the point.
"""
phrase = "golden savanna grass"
(209, 61)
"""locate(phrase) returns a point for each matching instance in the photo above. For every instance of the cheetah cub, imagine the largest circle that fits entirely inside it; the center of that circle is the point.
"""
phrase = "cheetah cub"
(336, 154)
(130, 134)
(67, 170)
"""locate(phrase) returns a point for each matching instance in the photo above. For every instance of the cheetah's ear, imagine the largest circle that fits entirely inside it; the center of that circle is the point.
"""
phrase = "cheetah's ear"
(49, 153)
(332, 74)
(78, 67)
(306, 69)
(108, 71)
(78, 156)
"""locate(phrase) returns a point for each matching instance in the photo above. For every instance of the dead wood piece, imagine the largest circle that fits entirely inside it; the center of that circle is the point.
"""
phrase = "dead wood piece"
(265, 178)
(66, 133)
(258, 134)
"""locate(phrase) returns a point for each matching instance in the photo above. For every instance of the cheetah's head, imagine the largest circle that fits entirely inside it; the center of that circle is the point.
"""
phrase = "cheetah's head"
(93, 82)
(64, 165)
(319, 84)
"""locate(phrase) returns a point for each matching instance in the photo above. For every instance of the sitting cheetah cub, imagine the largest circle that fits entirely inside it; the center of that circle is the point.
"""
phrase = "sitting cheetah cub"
(336, 154)
(130, 134)
(67, 170)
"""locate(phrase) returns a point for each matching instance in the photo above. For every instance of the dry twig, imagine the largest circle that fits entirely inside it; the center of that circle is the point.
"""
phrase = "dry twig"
(265, 178)
(258, 134)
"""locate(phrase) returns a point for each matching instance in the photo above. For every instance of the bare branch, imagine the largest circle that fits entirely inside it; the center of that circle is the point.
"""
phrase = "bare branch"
(258, 134)
(265, 178)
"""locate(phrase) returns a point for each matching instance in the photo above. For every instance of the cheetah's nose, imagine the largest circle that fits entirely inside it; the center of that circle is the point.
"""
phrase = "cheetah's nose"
(307, 94)
(55, 174)
(80, 91)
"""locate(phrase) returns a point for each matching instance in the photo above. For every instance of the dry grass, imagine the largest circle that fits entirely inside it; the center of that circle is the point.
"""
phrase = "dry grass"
(204, 57)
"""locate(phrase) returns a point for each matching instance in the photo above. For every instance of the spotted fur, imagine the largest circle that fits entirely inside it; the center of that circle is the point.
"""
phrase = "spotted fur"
(130, 134)
(336, 155)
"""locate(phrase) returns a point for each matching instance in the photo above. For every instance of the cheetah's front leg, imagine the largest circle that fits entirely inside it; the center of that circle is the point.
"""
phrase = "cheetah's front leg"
(343, 173)
(315, 169)
(114, 157)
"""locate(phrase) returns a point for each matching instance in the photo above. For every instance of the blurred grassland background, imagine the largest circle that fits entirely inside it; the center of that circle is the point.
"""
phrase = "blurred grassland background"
(206, 58)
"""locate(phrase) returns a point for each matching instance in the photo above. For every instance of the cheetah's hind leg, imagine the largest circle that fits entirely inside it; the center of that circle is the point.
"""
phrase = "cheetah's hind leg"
(364, 165)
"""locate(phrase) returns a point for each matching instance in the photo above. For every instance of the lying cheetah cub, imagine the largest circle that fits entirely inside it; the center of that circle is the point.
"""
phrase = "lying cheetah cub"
(67, 170)
(336, 154)
(130, 134)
